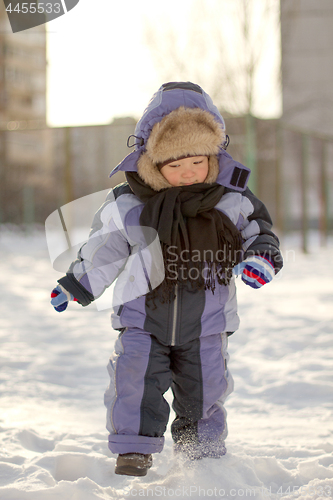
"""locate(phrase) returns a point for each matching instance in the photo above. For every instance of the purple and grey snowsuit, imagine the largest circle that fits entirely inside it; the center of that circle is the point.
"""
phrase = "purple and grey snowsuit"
(182, 344)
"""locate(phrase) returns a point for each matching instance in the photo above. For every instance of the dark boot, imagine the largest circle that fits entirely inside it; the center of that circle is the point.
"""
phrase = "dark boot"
(133, 464)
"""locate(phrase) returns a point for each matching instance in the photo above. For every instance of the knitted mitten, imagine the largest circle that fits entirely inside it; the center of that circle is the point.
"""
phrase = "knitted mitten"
(256, 271)
(60, 298)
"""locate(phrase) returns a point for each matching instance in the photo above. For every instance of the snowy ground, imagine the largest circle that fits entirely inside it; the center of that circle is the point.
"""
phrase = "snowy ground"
(53, 376)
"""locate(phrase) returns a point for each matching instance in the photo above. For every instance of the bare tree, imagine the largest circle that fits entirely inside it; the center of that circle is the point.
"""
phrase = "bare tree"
(221, 46)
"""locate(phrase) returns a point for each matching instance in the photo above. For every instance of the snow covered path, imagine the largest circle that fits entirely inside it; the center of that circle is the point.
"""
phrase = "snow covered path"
(53, 376)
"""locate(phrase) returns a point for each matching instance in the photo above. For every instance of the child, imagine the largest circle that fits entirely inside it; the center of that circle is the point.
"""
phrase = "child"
(182, 185)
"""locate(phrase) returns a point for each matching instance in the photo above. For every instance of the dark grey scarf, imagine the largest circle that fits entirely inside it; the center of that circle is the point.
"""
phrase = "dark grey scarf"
(199, 242)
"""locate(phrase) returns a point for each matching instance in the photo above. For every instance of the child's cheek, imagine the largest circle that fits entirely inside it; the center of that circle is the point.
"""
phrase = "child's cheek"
(174, 179)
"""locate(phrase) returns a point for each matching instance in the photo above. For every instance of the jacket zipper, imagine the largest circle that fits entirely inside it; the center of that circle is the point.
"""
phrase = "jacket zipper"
(174, 320)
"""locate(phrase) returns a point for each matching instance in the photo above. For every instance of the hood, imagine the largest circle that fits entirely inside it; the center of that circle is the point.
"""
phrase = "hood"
(169, 97)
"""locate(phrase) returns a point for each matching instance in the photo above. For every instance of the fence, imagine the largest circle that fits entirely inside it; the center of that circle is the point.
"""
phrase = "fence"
(292, 173)
(305, 162)
(42, 169)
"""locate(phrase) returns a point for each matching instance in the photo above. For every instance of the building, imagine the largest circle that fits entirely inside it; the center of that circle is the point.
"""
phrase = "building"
(24, 143)
(46, 167)
(307, 64)
(42, 168)
(22, 73)
(83, 157)
(306, 139)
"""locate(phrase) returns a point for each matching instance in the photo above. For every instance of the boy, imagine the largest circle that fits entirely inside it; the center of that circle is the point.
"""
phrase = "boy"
(183, 185)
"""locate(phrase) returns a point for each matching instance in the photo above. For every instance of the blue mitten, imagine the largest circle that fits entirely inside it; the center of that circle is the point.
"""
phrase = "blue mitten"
(256, 271)
(60, 298)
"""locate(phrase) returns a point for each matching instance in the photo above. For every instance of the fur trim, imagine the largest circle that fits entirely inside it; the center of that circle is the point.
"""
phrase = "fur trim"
(183, 132)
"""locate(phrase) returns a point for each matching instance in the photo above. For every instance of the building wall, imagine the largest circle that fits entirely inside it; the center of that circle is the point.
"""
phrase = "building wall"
(83, 157)
(42, 168)
(45, 168)
(22, 73)
(306, 139)
(307, 64)
(54, 166)
(24, 142)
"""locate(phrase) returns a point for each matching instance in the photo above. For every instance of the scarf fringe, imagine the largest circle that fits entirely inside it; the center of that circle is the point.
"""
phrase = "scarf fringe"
(201, 275)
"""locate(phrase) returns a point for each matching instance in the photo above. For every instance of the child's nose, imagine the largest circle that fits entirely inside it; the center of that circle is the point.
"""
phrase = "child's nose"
(188, 172)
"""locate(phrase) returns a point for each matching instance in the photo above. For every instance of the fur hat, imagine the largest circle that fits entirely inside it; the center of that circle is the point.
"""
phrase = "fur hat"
(182, 133)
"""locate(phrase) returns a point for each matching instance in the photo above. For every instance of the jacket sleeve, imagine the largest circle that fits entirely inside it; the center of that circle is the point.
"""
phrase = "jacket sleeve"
(101, 259)
(256, 230)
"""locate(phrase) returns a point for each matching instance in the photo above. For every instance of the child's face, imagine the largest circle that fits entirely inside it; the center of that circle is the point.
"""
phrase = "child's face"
(187, 171)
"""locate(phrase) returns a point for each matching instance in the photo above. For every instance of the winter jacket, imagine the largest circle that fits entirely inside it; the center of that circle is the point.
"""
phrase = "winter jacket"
(119, 249)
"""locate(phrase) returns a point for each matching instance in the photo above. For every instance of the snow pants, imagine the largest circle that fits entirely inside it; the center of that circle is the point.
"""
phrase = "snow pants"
(141, 370)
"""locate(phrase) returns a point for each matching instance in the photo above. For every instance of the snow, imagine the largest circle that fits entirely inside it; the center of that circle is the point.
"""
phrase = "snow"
(53, 376)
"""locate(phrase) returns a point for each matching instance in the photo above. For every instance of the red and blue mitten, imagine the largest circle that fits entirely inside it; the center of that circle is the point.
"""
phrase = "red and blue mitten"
(60, 298)
(256, 271)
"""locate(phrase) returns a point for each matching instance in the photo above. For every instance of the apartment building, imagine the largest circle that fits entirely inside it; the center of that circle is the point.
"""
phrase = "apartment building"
(307, 131)
(42, 168)
(307, 64)
(24, 142)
